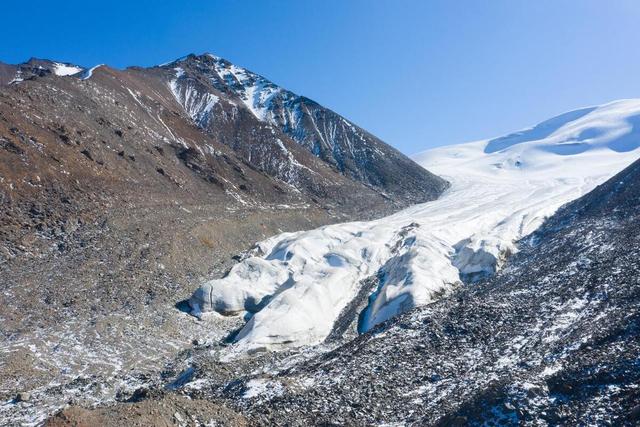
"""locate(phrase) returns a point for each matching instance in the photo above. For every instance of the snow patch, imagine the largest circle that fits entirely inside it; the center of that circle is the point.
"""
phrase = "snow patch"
(60, 69)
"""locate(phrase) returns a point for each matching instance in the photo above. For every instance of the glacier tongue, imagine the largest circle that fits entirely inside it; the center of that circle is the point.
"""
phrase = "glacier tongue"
(297, 284)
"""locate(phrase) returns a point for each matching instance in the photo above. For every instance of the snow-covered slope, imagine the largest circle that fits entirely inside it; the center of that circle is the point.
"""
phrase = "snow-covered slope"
(299, 284)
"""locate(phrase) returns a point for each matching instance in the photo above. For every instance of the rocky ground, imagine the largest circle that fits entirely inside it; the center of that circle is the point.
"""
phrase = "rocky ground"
(553, 339)
(165, 411)
(103, 315)
(121, 191)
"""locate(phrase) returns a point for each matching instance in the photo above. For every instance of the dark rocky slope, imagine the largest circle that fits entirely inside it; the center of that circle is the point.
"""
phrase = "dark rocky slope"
(354, 152)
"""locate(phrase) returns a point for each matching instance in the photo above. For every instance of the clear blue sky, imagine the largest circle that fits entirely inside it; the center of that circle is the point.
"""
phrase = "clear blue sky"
(416, 73)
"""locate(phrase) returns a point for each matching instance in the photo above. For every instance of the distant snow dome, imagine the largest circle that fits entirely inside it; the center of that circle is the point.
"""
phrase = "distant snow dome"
(501, 190)
(615, 126)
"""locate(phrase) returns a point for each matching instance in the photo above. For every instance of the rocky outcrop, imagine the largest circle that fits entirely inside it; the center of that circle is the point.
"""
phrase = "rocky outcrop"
(216, 93)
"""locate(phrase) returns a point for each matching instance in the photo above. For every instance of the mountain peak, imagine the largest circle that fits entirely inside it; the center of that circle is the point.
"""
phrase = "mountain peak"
(201, 79)
(193, 57)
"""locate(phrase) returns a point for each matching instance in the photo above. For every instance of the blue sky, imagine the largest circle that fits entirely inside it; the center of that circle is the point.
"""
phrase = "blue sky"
(416, 73)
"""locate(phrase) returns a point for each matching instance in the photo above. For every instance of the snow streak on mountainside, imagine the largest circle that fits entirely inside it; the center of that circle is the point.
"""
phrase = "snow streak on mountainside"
(551, 340)
(299, 284)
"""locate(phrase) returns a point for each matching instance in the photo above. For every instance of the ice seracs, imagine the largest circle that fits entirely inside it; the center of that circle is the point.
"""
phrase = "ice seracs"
(297, 284)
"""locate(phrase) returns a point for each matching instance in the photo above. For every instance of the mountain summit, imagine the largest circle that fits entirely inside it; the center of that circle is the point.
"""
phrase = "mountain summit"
(211, 90)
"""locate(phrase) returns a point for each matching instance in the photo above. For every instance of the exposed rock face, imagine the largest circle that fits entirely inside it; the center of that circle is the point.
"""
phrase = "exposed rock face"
(216, 92)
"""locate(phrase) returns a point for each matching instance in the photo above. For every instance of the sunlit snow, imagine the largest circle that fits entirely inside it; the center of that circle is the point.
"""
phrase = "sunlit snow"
(65, 69)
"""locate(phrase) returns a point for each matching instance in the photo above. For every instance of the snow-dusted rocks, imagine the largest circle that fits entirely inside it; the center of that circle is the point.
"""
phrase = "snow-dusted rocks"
(34, 67)
(501, 190)
(196, 102)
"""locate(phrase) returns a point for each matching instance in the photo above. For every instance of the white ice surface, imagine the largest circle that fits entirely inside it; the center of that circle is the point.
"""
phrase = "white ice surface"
(501, 190)
(60, 69)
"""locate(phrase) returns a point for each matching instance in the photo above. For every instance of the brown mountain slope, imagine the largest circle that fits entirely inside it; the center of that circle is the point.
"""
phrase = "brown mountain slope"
(116, 198)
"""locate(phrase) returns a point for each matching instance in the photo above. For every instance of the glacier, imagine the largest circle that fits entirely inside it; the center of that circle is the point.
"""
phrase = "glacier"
(294, 286)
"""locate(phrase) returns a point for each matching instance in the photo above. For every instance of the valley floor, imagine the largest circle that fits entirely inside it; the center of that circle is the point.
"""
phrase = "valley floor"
(98, 321)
